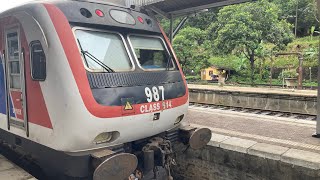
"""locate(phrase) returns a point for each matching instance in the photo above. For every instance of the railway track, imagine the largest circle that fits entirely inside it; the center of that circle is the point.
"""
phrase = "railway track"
(257, 111)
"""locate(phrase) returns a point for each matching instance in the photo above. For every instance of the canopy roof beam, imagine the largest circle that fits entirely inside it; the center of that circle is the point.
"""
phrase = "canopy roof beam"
(192, 10)
(159, 11)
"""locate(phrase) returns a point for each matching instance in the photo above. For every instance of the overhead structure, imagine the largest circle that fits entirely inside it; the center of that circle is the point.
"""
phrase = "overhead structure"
(176, 8)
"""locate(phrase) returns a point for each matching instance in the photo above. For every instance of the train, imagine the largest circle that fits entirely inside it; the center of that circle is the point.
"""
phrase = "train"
(92, 89)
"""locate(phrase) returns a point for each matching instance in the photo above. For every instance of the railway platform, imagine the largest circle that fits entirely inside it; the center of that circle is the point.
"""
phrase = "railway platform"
(260, 90)
(10, 171)
(281, 131)
(271, 99)
(251, 146)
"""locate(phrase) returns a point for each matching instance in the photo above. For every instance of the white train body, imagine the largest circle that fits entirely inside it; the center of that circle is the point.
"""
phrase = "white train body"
(55, 99)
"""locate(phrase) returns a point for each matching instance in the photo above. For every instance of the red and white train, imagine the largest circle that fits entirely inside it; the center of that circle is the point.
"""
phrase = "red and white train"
(90, 90)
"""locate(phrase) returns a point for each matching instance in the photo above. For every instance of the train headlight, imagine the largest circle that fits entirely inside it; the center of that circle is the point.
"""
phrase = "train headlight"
(179, 119)
(103, 138)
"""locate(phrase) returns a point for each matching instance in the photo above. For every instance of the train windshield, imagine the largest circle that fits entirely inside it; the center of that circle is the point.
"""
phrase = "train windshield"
(104, 47)
(151, 53)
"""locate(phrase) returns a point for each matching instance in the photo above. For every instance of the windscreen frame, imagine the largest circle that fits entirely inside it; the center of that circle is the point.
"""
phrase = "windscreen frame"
(174, 63)
(127, 50)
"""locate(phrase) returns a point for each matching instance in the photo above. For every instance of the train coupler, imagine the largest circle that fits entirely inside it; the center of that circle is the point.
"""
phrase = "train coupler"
(113, 166)
(158, 153)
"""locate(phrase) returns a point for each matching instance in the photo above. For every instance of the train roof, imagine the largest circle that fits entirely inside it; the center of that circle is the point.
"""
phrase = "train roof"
(72, 10)
(119, 3)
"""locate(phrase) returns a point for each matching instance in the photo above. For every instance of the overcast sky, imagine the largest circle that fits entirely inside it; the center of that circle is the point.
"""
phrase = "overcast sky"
(10, 3)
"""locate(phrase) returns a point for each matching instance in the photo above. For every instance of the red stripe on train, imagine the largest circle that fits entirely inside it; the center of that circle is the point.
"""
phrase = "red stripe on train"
(71, 50)
(36, 108)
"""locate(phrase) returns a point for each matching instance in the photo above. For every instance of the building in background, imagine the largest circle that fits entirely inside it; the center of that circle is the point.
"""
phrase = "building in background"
(212, 73)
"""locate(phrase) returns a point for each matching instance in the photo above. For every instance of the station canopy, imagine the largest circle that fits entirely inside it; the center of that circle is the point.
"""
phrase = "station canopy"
(176, 8)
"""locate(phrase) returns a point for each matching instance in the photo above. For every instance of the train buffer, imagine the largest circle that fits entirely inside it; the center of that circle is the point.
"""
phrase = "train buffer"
(10, 171)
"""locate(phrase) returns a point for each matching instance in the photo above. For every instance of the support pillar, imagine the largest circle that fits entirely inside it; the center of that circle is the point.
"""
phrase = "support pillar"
(317, 133)
(171, 29)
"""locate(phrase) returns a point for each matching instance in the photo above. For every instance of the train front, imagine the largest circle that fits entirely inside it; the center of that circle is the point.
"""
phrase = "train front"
(136, 89)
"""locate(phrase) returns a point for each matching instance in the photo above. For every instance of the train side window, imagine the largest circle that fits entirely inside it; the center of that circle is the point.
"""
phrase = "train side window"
(38, 62)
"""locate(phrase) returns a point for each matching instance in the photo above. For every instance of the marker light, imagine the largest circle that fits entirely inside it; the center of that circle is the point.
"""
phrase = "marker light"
(140, 19)
(99, 13)
(179, 119)
(103, 138)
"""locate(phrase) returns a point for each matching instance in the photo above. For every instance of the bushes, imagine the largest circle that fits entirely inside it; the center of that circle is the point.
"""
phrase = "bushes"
(193, 78)
(289, 73)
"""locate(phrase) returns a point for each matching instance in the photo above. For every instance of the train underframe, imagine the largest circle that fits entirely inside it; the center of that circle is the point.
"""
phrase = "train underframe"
(149, 158)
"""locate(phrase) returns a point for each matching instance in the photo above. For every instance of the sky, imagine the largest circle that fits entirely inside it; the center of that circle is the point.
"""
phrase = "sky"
(7, 4)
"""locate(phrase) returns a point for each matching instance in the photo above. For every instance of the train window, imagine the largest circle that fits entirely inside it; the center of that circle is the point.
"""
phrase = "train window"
(103, 51)
(38, 62)
(151, 53)
(14, 59)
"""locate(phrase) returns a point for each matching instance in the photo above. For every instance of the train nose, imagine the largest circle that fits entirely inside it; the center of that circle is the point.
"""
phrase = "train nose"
(115, 167)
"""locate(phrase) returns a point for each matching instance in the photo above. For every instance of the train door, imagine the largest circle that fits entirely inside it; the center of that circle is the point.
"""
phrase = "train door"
(16, 96)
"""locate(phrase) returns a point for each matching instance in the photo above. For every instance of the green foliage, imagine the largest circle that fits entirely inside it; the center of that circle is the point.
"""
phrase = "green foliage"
(243, 28)
(290, 73)
(231, 62)
(306, 10)
(313, 28)
(308, 83)
(193, 78)
(311, 57)
(191, 49)
(228, 37)
(286, 62)
(201, 20)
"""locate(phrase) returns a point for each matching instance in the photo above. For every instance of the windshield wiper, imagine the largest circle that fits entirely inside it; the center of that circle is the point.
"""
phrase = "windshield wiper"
(96, 60)
(168, 62)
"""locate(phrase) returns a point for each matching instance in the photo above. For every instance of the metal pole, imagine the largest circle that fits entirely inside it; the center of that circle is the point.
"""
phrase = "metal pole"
(317, 133)
(282, 79)
(300, 71)
(171, 28)
(310, 74)
(296, 22)
(180, 25)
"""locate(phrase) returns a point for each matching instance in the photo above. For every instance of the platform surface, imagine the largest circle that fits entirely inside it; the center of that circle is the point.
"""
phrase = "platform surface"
(279, 91)
(10, 171)
(278, 138)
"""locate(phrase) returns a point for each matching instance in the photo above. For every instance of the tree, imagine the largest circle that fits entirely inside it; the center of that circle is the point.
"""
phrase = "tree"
(243, 28)
(306, 11)
(191, 50)
(200, 20)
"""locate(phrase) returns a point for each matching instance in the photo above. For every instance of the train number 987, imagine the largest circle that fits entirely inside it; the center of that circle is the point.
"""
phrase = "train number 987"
(155, 93)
